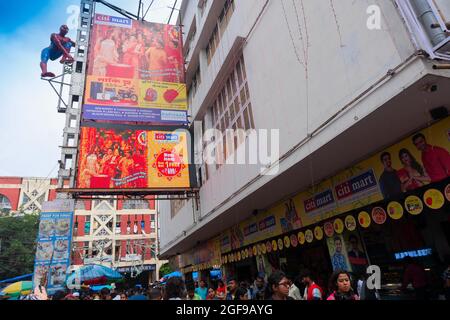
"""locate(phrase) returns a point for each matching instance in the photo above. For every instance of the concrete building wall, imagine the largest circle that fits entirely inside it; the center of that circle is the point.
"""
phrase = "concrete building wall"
(304, 64)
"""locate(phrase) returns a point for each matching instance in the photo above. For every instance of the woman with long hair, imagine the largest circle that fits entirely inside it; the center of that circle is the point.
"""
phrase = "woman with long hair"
(340, 285)
(221, 291)
(412, 175)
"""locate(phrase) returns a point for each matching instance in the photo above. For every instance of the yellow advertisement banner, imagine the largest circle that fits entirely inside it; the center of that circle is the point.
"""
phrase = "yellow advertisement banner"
(416, 161)
(168, 159)
(163, 95)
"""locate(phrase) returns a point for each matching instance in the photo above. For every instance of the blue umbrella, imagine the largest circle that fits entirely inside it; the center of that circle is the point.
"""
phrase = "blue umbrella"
(171, 275)
(94, 274)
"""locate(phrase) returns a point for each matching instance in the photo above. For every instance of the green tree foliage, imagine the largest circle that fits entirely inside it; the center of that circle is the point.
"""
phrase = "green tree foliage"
(17, 245)
(165, 269)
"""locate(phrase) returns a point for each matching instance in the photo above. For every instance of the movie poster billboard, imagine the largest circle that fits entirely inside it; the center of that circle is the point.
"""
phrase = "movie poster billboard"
(124, 158)
(53, 250)
(135, 72)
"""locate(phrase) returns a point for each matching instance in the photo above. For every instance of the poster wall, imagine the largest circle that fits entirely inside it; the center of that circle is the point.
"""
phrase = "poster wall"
(123, 158)
(135, 72)
(53, 250)
(414, 162)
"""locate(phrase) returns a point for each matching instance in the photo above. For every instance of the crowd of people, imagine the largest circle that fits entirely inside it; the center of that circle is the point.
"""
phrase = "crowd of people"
(342, 285)
(278, 286)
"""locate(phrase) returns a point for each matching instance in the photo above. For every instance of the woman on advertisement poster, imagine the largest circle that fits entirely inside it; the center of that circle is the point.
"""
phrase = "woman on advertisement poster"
(412, 175)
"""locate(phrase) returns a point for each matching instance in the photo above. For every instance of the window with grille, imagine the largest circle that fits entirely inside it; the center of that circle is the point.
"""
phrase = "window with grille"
(4, 203)
(219, 30)
(232, 109)
(135, 204)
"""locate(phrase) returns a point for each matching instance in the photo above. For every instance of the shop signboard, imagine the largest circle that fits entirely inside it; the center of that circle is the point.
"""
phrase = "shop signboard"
(383, 176)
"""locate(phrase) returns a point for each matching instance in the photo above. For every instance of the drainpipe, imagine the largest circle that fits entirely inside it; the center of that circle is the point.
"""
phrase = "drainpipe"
(426, 16)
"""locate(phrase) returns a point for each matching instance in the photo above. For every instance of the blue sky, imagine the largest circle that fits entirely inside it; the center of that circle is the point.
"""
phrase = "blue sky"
(30, 128)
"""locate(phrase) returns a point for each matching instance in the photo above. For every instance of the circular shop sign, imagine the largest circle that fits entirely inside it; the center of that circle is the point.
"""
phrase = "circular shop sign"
(309, 236)
(395, 210)
(329, 229)
(364, 219)
(318, 233)
(434, 199)
(379, 215)
(301, 238)
(414, 205)
(350, 223)
(294, 240)
(338, 226)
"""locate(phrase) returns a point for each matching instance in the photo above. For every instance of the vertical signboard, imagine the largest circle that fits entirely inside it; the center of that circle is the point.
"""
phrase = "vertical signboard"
(53, 245)
(135, 73)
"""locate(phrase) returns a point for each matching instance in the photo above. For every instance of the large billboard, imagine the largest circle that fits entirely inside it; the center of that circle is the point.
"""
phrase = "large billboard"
(135, 73)
(128, 158)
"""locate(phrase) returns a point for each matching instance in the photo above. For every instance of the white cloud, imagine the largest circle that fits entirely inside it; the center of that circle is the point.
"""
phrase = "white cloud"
(31, 128)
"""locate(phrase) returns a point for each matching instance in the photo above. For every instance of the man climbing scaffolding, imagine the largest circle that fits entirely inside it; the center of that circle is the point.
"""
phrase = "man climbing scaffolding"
(59, 47)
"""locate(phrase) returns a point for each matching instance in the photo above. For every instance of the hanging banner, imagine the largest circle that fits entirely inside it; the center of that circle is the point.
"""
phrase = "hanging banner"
(135, 72)
(338, 253)
(122, 158)
(52, 258)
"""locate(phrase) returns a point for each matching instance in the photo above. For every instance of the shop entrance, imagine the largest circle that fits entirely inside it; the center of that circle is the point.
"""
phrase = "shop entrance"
(246, 270)
(314, 257)
(424, 238)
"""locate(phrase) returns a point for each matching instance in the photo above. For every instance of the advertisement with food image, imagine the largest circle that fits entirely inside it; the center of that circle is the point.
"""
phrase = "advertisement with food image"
(61, 251)
(44, 251)
(46, 228)
(58, 274)
(62, 227)
(41, 271)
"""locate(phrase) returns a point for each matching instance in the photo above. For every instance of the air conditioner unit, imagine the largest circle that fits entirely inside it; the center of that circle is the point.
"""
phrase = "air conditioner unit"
(428, 23)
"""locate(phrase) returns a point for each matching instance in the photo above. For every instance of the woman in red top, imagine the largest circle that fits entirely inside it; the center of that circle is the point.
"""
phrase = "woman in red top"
(412, 175)
(221, 290)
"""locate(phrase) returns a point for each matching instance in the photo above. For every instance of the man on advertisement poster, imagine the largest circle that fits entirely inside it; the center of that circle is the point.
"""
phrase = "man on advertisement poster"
(390, 184)
(59, 47)
(436, 160)
(338, 259)
(356, 257)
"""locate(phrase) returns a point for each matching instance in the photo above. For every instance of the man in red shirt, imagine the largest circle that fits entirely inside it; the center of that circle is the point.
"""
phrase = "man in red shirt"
(436, 160)
(312, 290)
